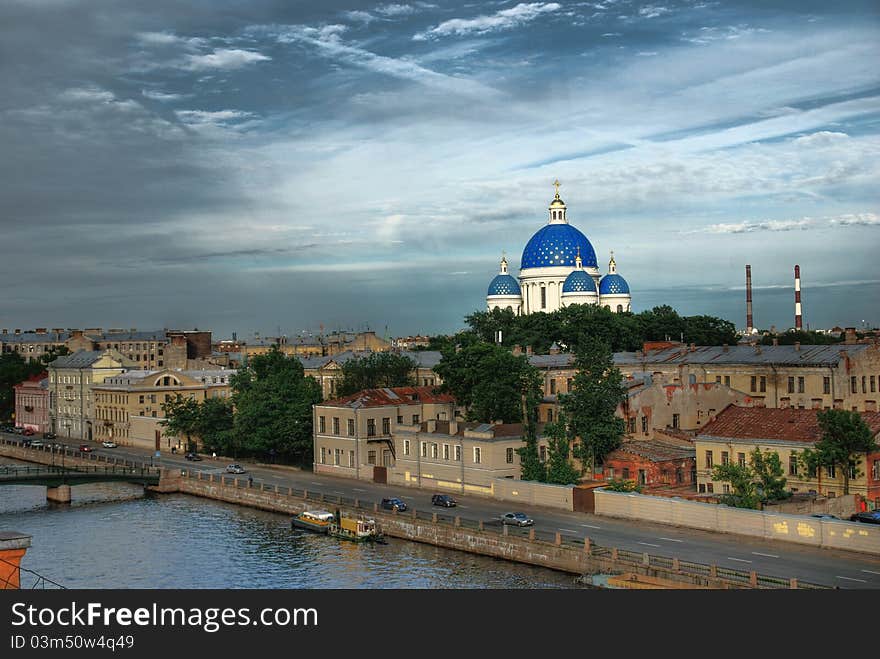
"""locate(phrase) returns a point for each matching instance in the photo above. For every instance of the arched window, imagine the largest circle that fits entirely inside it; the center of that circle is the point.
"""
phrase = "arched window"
(509, 308)
(619, 308)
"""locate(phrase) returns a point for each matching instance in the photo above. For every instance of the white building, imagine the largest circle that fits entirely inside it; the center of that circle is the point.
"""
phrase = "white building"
(558, 268)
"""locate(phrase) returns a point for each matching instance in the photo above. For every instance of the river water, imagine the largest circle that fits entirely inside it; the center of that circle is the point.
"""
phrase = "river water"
(111, 536)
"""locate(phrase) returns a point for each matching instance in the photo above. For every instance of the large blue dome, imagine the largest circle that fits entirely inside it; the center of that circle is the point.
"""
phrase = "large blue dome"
(557, 245)
(579, 282)
(613, 284)
(504, 285)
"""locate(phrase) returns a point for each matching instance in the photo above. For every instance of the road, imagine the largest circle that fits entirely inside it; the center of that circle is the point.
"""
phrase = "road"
(781, 559)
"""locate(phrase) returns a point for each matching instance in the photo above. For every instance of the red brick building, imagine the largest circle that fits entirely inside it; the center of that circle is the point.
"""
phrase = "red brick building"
(652, 464)
(32, 403)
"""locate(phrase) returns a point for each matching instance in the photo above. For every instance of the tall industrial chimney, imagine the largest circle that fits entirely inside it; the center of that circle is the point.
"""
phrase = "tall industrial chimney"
(798, 318)
(749, 324)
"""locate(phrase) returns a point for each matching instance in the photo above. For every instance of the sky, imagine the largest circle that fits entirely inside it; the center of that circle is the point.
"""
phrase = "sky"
(271, 166)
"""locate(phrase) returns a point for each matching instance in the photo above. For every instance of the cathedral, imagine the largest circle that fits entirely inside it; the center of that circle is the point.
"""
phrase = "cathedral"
(558, 268)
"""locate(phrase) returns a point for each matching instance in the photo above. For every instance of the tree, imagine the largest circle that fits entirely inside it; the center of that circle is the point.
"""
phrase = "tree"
(845, 437)
(181, 417)
(744, 491)
(215, 424)
(489, 382)
(769, 474)
(709, 331)
(560, 470)
(597, 390)
(14, 370)
(376, 370)
(273, 407)
(621, 485)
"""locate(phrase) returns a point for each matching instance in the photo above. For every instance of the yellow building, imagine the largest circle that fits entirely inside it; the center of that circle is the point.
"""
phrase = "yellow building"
(737, 431)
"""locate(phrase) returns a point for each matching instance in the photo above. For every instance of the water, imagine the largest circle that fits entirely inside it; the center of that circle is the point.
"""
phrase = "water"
(107, 539)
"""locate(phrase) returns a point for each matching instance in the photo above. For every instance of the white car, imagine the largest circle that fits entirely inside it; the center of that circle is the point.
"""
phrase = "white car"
(108, 444)
(518, 519)
(235, 469)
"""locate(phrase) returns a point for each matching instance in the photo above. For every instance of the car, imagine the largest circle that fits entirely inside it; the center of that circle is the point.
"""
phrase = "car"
(36, 443)
(108, 444)
(195, 457)
(518, 519)
(49, 435)
(824, 516)
(28, 431)
(393, 503)
(26, 441)
(18, 430)
(868, 517)
(443, 500)
(235, 469)
(85, 448)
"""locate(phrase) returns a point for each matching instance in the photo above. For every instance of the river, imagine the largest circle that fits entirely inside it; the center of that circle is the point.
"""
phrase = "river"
(111, 536)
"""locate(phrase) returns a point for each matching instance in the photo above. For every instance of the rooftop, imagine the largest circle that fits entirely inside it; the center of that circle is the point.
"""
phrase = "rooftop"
(763, 423)
(389, 396)
(655, 451)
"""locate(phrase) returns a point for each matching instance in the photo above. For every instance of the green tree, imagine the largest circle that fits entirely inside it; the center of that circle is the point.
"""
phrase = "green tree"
(621, 485)
(376, 370)
(489, 382)
(597, 390)
(709, 331)
(845, 437)
(273, 407)
(744, 490)
(560, 470)
(14, 370)
(181, 418)
(769, 475)
(215, 424)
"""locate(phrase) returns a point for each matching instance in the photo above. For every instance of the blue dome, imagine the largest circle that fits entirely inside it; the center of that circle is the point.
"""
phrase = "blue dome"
(579, 282)
(557, 245)
(613, 285)
(504, 285)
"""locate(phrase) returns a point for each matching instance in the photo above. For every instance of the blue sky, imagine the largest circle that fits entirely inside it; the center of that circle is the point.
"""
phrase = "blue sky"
(250, 166)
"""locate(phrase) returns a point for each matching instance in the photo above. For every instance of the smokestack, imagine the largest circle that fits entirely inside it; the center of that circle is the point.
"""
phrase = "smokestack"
(798, 318)
(749, 325)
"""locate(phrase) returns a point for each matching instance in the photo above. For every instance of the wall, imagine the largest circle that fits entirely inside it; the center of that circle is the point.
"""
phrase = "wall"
(852, 536)
(535, 494)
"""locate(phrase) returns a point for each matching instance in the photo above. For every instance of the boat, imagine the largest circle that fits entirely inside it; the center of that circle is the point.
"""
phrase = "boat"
(357, 529)
(318, 521)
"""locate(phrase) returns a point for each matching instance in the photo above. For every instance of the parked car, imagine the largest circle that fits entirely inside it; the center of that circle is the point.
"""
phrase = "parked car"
(8, 428)
(195, 457)
(85, 448)
(18, 430)
(393, 503)
(25, 441)
(36, 443)
(108, 444)
(235, 469)
(49, 435)
(443, 500)
(518, 519)
(28, 431)
(824, 516)
(868, 517)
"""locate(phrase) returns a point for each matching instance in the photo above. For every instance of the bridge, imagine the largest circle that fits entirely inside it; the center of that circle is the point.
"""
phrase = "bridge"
(58, 480)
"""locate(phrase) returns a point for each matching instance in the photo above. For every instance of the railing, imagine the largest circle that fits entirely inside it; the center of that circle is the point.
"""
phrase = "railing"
(40, 582)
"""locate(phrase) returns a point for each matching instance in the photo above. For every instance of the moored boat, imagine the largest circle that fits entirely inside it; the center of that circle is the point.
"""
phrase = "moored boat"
(357, 529)
(318, 521)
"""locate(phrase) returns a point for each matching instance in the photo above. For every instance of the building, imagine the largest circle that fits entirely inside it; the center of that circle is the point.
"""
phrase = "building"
(558, 268)
(653, 464)
(737, 431)
(353, 435)
(33, 345)
(32, 403)
(411, 342)
(328, 370)
(128, 406)
(454, 456)
(306, 346)
(71, 379)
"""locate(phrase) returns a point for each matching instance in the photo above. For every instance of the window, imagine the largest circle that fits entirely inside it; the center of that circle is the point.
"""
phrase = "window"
(826, 385)
(702, 487)
(644, 424)
(754, 383)
(322, 422)
(351, 427)
(433, 450)
(875, 470)
(400, 419)
(424, 449)
(791, 385)
(510, 456)
(854, 385)
(717, 379)
(550, 416)
(446, 451)
(543, 297)
(337, 456)
(477, 455)
(351, 458)
(800, 385)
(725, 458)
(873, 384)
(831, 471)
(406, 447)
(763, 386)
(852, 470)
(864, 385)
(741, 459)
(708, 459)
(371, 457)
(568, 385)
(710, 487)
(632, 425)
(542, 453)
(141, 401)
(415, 419)
(675, 420)
(371, 427)
(726, 380)
(323, 455)
(335, 425)
(679, 475)
(625, 474)
(386, 425)
(458, 453)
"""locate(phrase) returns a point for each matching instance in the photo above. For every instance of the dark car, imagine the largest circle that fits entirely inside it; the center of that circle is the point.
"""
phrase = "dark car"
(868, 517)
(49, 435)
(195, 457)
(519, 519)
(824, 516)
(393, 503)
(443, 500)
(85, 448)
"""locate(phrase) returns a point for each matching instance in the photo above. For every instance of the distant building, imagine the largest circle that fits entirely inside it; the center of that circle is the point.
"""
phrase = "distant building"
(32, 402)
(737, 431)
(653, 464)
(411, 342)
(322, 345)
(328, 370)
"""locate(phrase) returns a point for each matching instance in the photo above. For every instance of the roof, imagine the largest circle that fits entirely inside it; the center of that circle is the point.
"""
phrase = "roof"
(653, 450)
(764, 423)
(807, 355)
(154, 335)
(422, 358)
(78, 359)
(389, 396)
(35, 337)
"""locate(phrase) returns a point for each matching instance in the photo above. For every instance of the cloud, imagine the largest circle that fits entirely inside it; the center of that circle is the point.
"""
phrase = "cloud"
(395, 10)
(652, 11)
(364, 17)
(803, 224)
(859, 219)
(820, 138)
(226, 58)
(503, 20)
(161, 96)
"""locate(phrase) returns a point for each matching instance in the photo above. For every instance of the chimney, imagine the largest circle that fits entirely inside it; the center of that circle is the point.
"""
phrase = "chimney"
(554, 349)
(5, 331)
(850, 335)
(453, 427)
(749, 325)
(798, 317)
(18, 331)
(40, 330)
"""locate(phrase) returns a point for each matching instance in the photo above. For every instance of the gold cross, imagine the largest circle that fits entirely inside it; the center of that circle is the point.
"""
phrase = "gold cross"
(556, 183)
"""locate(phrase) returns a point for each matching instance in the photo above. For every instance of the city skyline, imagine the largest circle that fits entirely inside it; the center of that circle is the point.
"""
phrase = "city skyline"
(245, 169)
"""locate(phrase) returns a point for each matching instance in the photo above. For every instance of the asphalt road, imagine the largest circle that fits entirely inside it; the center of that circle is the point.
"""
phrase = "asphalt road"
(780, 559)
